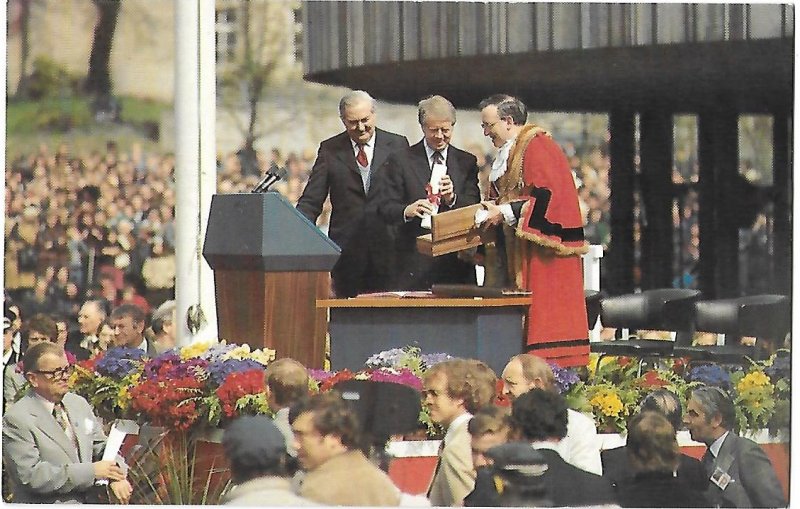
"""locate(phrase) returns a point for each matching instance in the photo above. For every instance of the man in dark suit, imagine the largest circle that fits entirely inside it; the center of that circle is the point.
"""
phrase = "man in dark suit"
(540, 418)
(345, 168)
(127, 321)
(740, 473)
(52, 441)
(85, 342)
(408, 196)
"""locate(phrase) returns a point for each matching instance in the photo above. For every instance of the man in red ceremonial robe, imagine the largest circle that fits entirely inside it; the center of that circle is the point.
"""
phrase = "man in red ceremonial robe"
(536, 205)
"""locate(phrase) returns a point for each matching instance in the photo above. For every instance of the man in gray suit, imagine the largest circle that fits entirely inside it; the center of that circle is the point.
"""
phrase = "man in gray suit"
(740, 473)
(51, 437)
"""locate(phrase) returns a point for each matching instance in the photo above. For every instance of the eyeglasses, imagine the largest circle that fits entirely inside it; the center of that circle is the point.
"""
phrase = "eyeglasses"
(54, 374)
(487, 127)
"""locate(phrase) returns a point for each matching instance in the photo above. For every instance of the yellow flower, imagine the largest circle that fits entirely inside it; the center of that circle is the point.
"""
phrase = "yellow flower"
(608, 403)
(239, 353)
(263, 356)
(195, 349)
(754, 380)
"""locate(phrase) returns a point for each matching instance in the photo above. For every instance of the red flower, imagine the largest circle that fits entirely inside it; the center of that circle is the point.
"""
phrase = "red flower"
(238, 385)
(341, 376)
(652, 379)
(169, 403)
(623, 361)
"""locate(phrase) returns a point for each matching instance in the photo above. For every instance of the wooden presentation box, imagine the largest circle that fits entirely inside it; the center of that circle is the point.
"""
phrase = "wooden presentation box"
(453, 231)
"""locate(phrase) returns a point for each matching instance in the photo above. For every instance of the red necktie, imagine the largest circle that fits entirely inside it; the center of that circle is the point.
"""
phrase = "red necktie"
(361, 158)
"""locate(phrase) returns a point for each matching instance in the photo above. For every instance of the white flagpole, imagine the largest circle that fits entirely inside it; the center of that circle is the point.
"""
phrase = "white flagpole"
(195, 166)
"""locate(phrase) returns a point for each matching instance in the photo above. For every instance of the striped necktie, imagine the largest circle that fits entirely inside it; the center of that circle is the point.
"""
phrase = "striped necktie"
(60, 414)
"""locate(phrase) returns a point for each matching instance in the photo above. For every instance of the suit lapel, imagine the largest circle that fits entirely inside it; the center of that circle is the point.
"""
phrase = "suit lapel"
(420, 164)
(48, 425)
(346, 155)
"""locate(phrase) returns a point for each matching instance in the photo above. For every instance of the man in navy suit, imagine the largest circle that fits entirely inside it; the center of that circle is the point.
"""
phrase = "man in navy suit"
(345, 168)
(407, 197)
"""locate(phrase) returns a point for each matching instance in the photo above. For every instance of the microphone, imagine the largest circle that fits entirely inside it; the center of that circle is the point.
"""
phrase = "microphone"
(265, 183)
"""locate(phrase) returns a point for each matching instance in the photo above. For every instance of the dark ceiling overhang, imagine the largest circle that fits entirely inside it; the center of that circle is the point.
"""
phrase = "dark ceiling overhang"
(749, 76)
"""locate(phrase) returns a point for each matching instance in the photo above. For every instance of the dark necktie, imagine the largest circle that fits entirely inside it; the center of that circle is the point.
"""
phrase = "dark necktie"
(437, 158)
(708, 462)
(361, 158)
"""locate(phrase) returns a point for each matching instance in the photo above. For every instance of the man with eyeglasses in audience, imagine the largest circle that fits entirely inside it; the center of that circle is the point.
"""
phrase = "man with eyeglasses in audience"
(39, 329)
(52, 439)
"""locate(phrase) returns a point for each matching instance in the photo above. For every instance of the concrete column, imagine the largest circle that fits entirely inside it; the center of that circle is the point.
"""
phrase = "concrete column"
(195, 165)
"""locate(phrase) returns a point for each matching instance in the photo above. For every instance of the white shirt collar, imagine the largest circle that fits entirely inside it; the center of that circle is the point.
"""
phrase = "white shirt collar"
(429, 151)
(546, 444)
(500, 162)
(143, 345)
(7, 356)
(369, 145)
(459, 421)
(717, 445)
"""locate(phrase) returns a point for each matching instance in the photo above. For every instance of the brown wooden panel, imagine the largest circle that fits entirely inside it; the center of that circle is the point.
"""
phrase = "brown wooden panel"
(275, 310)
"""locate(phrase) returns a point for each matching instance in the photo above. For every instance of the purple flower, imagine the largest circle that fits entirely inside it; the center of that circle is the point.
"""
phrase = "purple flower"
(216, 352)
(386, 358)
(170, 365)
(431, 359)
(319, 375)
(119, 362)
(565, 377)
(403, 376)
(219, 371)
(711, 374)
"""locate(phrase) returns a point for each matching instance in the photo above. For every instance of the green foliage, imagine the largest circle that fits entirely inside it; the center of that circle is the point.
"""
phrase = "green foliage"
(49, 79)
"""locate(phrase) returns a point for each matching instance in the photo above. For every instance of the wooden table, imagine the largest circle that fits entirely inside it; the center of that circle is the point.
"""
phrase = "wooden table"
(478, 328)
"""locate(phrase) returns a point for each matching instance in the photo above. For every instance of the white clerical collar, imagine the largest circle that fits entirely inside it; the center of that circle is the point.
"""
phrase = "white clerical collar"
(429, 152)
(717, 445)
(459, 421)
(499, 164)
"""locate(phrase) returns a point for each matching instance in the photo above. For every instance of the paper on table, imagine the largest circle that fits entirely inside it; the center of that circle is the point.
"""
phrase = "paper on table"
(437, 172)
(114, 442)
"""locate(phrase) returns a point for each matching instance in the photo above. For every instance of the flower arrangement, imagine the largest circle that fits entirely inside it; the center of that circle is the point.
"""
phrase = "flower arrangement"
(762, 394)
(181, 389)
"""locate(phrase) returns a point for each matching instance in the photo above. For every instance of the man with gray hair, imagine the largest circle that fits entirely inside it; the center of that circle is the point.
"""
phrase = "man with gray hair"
(345, 169)
(739, 472)
(430, 175)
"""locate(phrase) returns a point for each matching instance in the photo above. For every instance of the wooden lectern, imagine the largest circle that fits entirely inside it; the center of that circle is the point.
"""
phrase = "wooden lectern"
(271, 264)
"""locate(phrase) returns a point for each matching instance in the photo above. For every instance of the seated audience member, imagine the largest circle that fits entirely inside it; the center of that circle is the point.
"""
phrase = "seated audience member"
(39, 329)
(52, 439)
(740, 473)
(127, 321)
(616, 467)
(287, 382)
(489, 427)
(653, 454)
(581, 446)
(260, 466)
(540, 418)
(327, 438)
(453, 391)
(83, 343)
(163, 326)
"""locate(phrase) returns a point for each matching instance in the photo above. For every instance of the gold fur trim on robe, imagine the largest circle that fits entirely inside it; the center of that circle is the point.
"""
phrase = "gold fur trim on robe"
(510, 186)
